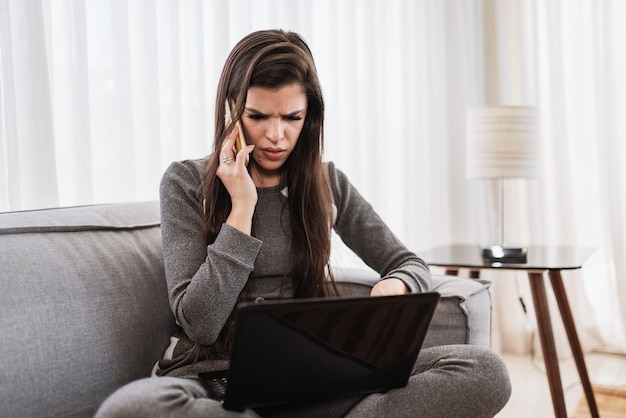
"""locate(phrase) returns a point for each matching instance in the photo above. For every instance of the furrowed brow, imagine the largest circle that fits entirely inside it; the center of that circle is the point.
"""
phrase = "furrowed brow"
(258, 112)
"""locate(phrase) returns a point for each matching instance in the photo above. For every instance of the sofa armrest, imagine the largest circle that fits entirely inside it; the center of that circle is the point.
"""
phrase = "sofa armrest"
(83, 306)
(463, 315)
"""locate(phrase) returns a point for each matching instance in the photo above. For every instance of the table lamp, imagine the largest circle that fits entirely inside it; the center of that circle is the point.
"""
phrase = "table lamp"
(503, 142)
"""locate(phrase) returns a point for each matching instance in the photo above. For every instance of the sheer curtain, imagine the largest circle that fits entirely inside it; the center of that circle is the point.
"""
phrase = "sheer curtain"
(565, 57)
(582, 87)
(98, 97)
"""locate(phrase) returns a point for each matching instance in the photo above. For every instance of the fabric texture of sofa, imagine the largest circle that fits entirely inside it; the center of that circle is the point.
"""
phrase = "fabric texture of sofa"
(84, 308)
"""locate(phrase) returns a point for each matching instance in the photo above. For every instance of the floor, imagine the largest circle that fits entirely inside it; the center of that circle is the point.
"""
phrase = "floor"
(531, 394)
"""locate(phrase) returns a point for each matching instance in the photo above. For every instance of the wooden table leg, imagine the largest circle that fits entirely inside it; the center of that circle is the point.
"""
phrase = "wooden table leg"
(546, 336)
(572, 335)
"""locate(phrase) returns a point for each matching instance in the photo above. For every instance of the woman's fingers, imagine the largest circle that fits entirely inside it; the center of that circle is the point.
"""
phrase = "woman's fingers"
(227, 153)
(388, 287)
(227, 147)
(234, 174)
(244, 154)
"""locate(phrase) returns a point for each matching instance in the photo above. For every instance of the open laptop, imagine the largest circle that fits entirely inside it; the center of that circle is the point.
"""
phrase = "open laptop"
(310, 349)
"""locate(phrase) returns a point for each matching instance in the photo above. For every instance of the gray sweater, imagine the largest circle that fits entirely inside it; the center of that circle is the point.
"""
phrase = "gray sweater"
(205, 281)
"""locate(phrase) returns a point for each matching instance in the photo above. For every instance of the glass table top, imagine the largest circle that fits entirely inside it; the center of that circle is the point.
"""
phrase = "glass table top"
(538, 257)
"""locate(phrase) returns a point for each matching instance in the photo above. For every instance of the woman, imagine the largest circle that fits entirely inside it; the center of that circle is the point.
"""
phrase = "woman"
(257, 223)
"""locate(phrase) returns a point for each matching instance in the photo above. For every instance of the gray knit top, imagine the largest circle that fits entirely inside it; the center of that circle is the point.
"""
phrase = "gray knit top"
(204, 281)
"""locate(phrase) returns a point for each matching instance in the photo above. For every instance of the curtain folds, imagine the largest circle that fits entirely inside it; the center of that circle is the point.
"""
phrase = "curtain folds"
(583, 94)
(564, 57)
(98, 97)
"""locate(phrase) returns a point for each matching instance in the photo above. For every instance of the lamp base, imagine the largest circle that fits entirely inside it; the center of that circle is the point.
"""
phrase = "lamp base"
(509, 255)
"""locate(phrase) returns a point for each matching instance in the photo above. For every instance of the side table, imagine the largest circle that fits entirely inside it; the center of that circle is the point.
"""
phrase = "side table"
(552, 260)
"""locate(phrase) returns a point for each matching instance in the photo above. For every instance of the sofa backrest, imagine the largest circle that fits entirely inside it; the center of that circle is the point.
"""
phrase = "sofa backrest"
(83, 306)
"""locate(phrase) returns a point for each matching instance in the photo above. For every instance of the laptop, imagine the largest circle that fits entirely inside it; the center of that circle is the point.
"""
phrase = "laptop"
(293, 351)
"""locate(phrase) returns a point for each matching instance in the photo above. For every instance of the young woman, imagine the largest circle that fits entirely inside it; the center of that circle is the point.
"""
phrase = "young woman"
(257, 223)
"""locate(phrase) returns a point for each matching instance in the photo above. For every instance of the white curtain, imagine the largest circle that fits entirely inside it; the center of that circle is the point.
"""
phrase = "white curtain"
(565, 57)
(581, 67)
(98, 97)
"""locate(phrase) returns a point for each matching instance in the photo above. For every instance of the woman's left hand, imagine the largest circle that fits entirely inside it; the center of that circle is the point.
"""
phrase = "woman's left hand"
(389, 287)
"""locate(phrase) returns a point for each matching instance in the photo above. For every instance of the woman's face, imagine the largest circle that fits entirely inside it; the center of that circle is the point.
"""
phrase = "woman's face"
(272, 121)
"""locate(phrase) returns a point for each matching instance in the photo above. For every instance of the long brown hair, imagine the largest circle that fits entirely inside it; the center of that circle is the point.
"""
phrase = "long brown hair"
(272, 59)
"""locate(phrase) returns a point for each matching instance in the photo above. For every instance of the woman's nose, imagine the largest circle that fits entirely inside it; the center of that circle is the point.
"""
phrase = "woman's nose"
(275, 131)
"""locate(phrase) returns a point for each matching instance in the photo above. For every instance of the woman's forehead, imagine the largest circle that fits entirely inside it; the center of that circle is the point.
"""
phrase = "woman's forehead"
(285, 99)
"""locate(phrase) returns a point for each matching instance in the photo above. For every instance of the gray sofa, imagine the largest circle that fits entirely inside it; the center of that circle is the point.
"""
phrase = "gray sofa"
(84, 309)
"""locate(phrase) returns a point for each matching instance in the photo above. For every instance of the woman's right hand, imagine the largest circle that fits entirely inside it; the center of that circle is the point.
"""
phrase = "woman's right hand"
(234, 174)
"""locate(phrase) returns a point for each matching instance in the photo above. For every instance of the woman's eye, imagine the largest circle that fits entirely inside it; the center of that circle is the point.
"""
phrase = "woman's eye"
(254, 116)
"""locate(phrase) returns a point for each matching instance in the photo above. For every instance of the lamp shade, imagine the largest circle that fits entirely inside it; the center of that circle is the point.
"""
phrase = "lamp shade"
(502, 142)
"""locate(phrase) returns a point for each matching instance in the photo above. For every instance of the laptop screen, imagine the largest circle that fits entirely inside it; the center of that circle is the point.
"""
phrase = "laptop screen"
(292, 351)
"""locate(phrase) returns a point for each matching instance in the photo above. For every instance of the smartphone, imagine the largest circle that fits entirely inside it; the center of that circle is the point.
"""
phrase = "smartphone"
(240, 141)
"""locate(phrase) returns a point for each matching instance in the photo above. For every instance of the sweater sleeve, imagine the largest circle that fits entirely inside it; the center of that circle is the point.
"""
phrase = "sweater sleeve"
(365, 233)
(204, 281)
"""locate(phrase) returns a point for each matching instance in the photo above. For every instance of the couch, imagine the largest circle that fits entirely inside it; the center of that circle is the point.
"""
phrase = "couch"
(84, 308)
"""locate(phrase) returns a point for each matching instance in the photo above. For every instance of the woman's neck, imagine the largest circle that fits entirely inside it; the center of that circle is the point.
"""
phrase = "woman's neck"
(265, 179)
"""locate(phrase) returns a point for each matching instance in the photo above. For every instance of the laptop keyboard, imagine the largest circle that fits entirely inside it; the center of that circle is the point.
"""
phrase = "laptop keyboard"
(216, 386)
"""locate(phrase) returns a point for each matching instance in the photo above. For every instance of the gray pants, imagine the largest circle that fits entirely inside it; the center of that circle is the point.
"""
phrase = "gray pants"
(447, 381)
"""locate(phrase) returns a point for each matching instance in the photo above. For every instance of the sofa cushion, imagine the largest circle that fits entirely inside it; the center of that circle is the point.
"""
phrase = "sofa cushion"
(463, 315)
(83, 305)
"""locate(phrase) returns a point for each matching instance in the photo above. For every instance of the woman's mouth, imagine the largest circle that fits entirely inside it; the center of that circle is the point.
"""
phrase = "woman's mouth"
(273, 154)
